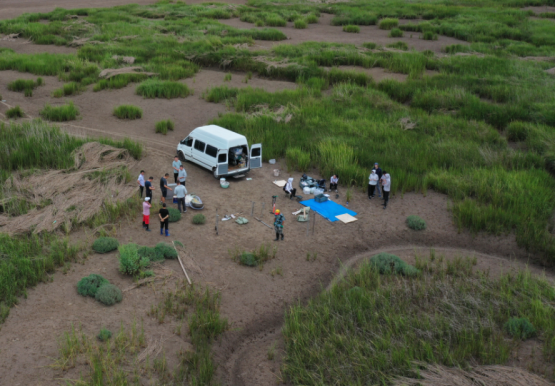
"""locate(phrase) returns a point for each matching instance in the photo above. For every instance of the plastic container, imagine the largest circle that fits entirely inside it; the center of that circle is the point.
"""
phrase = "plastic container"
(222, 180)
(318, 191)
(272, 161)
(276, 172)
(224, 184)
(306, 190)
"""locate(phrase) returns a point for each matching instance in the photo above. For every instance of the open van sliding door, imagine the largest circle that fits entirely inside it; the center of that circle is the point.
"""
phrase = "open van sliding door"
(221, 168)
(256, 156)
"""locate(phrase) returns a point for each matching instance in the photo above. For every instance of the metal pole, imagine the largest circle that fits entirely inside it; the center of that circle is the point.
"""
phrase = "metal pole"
(252, 210)
(262, 212)
(217, 222)
(307, 225)
(313, 223)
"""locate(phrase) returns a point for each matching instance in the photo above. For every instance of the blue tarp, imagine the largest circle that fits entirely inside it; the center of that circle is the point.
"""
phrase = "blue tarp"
(328, 209)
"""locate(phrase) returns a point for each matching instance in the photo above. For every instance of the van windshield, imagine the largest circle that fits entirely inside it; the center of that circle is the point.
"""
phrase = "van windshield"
(238, 157)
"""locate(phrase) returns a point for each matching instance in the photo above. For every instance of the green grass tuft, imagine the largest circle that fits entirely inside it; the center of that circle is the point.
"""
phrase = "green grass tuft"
(399, 46)
(220, 93)
(105, 244)
(395, 33)
(388, 23)
(300, 24)
(162, 127)
(429, 35)
(14, 112)
(104, 335)
(199, 219)
(416, 223)
(255, 258)
(67, 89)
(23, 85)
(351, 28)
(128, 112)
(370, 45)
(63, 113)
(154, 88)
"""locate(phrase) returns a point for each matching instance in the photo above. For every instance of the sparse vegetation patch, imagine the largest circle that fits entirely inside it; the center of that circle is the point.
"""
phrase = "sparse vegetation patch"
(154, 88)
(14, 113)
(128, 112)
(62, 113)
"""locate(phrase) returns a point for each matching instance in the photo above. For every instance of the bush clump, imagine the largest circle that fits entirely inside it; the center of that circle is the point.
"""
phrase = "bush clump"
(104, 335)
(152, 254)
(154, 88)
(370, 45)
(351, 28)
(63, 113)
(255, 258)
(312, 19)
(166, 250)
(300, 24)
(395, 33)
(108, 294)
(105, 244)
(429, 35)
(130, 263)
(175, 215)
(89, 285)
(388, 23)
(416, 223)
(399, 46)
(520, 328)
(248, 259)
(25, 85)
(67, 89)
(128, 112)
(199, 219)
(162, 127)
(386, 263)
(14, 112)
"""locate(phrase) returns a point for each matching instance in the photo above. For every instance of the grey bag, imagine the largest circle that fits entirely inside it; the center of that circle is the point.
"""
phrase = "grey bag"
(241, 220)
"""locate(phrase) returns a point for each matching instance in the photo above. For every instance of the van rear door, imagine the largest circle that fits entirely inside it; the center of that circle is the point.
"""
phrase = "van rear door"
(256, 156)
(221, 168)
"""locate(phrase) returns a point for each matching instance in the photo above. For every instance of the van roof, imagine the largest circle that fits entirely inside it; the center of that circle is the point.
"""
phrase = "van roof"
(220, 136)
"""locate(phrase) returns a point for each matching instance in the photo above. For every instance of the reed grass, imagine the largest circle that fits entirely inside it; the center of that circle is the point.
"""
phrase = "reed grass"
(63, 113)
(128, 112)
(67, 89)
(395, 33)
(163, 127)
(388, 23)
(351, 28)
(220, 93)
(14, 112)
(300, 24)
(154, 88)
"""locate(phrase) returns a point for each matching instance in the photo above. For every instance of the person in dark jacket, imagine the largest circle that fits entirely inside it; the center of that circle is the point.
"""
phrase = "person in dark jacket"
(380, 174)
(164, 215)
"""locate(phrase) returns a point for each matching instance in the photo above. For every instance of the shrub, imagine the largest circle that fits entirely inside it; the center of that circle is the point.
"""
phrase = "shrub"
(429, 35)
(130, 263)
(399, 46)
(14, 112)
(61, 113)
(300, 24)
(351, 28)
(384, 262)
(370, 45)
(255, 258)
(175, 215)
(104, 335)
(395, 33)
(108, 294)
(152, 254)
(128, 112)
(388, 23)
(105, 244)
(89, 285)
(416, 223)
(167, 250)
(248, 259)
(162, 127)
(199, 219)
(154, 88)
(520, 328)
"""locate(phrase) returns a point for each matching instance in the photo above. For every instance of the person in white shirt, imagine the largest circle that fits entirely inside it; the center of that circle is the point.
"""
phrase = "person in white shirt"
(289, 189)
(180, 192)
(182, 175)
(386, 185)
(372, 182)
(141, 182)
(175, 166)
(333, 182)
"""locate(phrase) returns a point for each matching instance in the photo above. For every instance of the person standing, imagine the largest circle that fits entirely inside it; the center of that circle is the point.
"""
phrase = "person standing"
(182, 175)
(372, 182)
(180, 192)
(278, 224)
(141, 182)
(380, 174)
(164, 187)
(146, 213)
(164, 215)
(176, 165)
(333, 182)
(386, 184)
(149, 188)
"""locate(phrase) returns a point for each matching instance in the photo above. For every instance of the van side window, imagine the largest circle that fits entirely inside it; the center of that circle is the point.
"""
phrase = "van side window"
(188, 141)
(222, 158)
(211, 151)
(199, 145)
(256, 152)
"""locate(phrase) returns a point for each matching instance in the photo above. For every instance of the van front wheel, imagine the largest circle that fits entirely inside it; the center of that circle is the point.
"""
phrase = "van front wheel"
(181, 156)
(215, 173)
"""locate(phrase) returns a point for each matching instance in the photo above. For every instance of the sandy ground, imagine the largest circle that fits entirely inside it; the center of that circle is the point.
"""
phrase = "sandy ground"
(323, 31)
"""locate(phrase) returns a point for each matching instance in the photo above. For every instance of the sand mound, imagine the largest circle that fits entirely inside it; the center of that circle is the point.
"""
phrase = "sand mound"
(482, 375)
(73, 195)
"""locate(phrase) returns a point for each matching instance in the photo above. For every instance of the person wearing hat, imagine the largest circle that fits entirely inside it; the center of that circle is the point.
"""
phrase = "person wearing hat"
(146, 213)
(372, 183)
(379, 173)
(278, 224)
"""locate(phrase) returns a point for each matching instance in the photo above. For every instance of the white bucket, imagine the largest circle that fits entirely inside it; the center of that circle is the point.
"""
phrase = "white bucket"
(306, 190)
(272, 161)
(276, 172)
(222, 180)
(312, 190)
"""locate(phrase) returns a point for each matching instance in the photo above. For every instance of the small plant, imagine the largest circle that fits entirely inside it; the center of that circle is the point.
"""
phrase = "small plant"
(14, 112)
(259, 23)
(104, 335)
(130, 263)
(399, 46)
(388, 23)
(351, 28)
(152, 254)
(154, 88)
(67, 89)
(416, 223)
(28, 92)
(167, 250)
(63, 113)
(272, 352)
(429, 35)
(227, 77)
(199, 219)
(175, 215)
(300, 24)
(128, 112)
(520, 328)
(277, 271)
(162, 127)
(395, 33)
(105, 244)
(89, 285)
(312, 19)
(248, 259)
(108, 294)
(386, 263)
(255, 258)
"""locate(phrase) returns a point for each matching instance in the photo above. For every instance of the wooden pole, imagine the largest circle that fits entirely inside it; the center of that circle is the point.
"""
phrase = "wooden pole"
(181, 264)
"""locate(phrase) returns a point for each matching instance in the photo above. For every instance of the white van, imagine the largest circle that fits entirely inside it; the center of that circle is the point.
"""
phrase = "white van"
(220, 150)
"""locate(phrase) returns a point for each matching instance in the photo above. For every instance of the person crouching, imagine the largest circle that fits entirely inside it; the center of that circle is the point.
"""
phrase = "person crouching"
(289, 189)
(333, 182)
